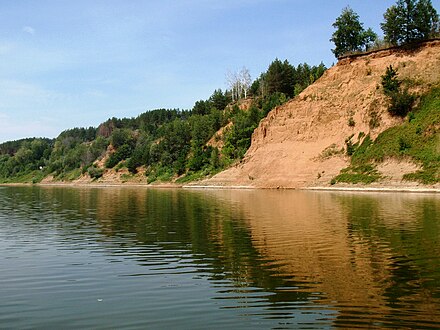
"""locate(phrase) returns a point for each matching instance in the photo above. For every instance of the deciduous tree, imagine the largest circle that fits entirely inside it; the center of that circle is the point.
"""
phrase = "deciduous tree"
(410, 21)
(350, 35)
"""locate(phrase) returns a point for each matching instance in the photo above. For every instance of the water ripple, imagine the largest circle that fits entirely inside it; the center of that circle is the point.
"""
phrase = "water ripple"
(110, 258)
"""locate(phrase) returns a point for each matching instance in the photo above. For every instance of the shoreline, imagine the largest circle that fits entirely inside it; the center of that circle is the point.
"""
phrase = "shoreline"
(384, 189)
(378, 189)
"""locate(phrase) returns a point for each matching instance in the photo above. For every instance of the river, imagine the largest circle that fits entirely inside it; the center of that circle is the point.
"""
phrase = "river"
(137, 258)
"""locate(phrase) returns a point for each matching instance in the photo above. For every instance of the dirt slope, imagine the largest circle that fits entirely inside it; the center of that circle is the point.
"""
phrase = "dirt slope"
(288, 147)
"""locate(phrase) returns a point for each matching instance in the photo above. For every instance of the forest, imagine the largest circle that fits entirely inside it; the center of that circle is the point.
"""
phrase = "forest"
(165, 144)
(176, 145)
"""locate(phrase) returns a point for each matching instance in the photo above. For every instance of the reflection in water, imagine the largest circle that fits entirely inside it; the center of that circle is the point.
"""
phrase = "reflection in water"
(373, 258)
(197, 259)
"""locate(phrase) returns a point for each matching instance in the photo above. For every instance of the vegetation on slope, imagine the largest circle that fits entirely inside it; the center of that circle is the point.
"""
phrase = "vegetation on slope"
(165, 144)
(171, 143)
(406, 23)
(417, 140)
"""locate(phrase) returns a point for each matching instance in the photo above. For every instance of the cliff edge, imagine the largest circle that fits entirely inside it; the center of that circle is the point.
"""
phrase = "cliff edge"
(301, 143)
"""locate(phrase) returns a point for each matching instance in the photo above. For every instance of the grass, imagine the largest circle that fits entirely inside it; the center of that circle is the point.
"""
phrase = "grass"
(330, 151)
(417, 139)
(197, 176)
(70, 175)
(126, 177)
(29, 177)
(365, 174)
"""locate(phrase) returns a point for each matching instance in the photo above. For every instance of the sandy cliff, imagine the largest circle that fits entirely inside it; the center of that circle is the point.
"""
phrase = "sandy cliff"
(291, 148)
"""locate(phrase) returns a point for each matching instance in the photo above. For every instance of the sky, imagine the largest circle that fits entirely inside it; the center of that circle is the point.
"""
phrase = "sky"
(66, 64)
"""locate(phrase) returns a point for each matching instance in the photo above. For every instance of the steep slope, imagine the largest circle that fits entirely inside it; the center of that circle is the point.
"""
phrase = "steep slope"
(299, 144)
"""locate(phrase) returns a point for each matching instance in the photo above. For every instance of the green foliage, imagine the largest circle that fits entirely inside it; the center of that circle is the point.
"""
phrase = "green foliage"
(410, 21)
(351, 122)
(404, 144)
(123, 152)
(306, 75)
(122, 137)
(159, 173)
(238, 137)
(283, 78)
(95, 172)
(350, 35)
(270, 102)
(167, 142)
(80, 134)
(214, 158)
(350, 145)
(401, 101)
(365, 174)
(201, 108)
(418, 140)
(390, 81)
(375, 119)
(151, 121)
(217, 101)
(280, 78)
(330, 151)
(175, 143)
(19, 158)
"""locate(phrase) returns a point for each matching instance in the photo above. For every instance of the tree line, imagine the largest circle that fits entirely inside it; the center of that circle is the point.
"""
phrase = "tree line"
(167, 143)
(406, 22)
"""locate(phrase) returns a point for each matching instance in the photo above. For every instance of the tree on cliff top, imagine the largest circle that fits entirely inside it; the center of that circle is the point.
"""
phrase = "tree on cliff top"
(350, 35)
(410, 21)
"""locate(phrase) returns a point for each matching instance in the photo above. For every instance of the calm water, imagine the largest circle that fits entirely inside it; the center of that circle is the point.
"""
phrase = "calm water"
(137, 258)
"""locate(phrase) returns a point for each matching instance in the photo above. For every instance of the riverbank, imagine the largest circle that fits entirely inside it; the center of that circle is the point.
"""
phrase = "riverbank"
(94, 185)
(350, 188)
(377, 189)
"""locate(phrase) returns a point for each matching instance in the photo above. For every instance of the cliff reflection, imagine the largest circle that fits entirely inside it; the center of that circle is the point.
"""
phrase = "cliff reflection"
(363, 254)
(366, 259)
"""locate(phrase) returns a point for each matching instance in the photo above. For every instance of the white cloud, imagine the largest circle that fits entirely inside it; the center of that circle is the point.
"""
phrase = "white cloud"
(28, 29)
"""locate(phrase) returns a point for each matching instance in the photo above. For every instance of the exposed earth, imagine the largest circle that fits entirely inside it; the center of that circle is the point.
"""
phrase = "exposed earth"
(300, 143)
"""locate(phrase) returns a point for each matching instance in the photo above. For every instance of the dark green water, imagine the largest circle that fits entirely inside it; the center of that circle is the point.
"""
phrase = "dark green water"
(127, 258)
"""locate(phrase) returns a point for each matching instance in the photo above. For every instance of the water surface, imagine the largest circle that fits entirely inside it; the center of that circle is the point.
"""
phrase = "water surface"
(141, 258)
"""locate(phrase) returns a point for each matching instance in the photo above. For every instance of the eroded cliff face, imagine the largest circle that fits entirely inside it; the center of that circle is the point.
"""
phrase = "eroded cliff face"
(299, 143)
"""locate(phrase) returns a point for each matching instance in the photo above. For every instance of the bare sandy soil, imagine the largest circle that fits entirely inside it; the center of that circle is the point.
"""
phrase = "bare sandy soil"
(299, 143)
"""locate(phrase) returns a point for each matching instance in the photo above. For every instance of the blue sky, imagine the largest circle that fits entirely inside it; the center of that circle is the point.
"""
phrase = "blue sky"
(67, 64)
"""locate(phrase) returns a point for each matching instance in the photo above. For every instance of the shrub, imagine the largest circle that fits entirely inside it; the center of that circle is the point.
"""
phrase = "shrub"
(401, 103)
(403, 144)
(374, 120)
(351, 122)
(390, 82)
(94, 172)
(365, 173)
(351, 147)
(122, 153)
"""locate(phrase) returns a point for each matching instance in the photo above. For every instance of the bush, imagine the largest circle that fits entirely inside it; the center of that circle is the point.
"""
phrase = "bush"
(390, 82)
(351, 122)
(350, 146)
(365, 173)
(401, 103)
(94, 172)
(122, 153)
(403, 144)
